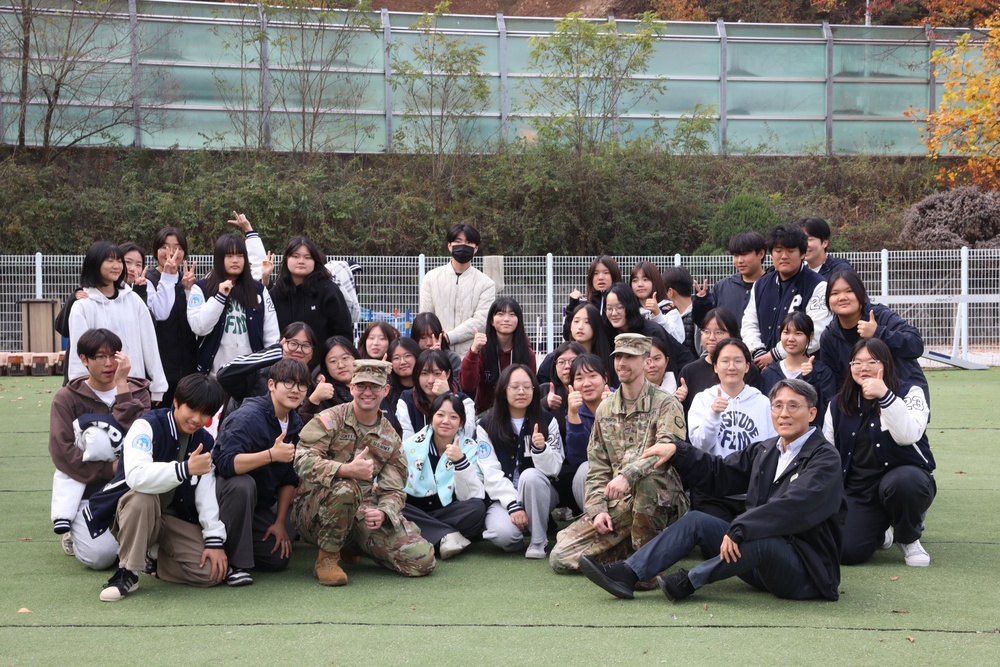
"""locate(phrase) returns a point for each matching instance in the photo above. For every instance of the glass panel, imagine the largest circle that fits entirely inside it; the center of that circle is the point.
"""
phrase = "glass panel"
(518, 53)
(877, 137)
(903, 33)
(772, 31)
(206, 86)
(518, 24)
(748, 98)
(685, 58)
(776, 137)
(328, 132)
(680, 97)
(205, 129)
(880, 60)
(693, 29)
(777, 60)
(329, 49)
(868, 99)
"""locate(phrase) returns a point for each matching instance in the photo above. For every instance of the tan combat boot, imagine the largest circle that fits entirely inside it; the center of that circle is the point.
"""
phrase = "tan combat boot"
(327, 569)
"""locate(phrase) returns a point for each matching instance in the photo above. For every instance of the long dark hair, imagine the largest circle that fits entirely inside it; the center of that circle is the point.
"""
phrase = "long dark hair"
(456, 402)
(726, 318)
(649, 270)
(557, 383)
(521, 352)
(496, 421)
(244, 290)
(849, 397)
(599, 345)
(634, 321)
(329, 344)
(436, 360)
(90, 270)
(612, 266)
(395, 383)
(284, 286)
(390, 332)
(428, 323)
(854, 283)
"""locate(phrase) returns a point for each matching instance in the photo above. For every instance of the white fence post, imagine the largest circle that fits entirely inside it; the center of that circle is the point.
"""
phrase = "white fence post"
(885, 272)
(677, 259)
(38, 275)
(421, 270)
(549, 305)
(963, 307)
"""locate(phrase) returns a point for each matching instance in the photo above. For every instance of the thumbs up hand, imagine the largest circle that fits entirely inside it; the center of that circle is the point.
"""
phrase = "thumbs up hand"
(322, 392)
(537, 439)
(807, 365)
(867, 328)
(453, 451)
(478, 341)
(681, 392)
(199, 463)
(653, 305)
(720, 403)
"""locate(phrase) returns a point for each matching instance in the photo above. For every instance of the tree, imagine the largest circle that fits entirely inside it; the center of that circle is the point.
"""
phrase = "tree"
(589, 81)
(74, 64)
(443, 90)
(311, 53)
(966, 122)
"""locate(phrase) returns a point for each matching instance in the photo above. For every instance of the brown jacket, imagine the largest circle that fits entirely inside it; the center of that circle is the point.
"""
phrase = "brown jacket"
(76, 399)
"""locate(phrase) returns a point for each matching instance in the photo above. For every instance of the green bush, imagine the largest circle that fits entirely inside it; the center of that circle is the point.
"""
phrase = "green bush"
(744, 212)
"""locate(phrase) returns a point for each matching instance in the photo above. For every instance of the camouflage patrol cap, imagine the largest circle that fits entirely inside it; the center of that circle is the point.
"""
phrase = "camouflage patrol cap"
(372, 371)
(632, 344)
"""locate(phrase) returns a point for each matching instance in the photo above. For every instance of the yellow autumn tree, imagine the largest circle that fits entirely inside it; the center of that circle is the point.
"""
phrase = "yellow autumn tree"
(966, 123)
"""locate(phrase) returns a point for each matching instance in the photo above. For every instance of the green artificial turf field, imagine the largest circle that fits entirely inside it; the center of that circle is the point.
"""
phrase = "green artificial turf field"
(487, 608)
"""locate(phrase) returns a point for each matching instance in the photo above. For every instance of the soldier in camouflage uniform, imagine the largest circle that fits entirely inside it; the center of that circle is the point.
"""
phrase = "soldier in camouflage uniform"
(340, 452)
(628, 501)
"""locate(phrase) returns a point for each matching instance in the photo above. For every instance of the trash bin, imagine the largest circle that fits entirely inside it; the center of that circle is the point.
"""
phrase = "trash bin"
(37, 319)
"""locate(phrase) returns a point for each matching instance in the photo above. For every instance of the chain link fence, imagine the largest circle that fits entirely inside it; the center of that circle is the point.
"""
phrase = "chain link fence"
(952, 296)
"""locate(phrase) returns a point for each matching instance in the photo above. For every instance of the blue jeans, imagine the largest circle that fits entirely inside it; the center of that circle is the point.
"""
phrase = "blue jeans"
(769, 564)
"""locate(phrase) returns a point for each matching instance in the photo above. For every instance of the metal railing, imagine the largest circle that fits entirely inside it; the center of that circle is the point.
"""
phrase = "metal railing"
(212, 75)
(952, 296)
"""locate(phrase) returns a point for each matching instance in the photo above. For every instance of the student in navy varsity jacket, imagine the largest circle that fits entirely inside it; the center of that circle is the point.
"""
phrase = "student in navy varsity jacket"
(256, 481)
(879, 425)
(791, 287)
(732, 292)
(161, 504)
(856, 318)
(818, 234)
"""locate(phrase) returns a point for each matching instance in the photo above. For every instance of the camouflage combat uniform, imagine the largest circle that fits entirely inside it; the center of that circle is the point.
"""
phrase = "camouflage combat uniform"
(657, 496)
(329, 511)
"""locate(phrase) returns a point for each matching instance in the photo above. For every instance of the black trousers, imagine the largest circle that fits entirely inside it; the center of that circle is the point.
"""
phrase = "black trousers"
(246, 524)
(900, 499)
(463, 516)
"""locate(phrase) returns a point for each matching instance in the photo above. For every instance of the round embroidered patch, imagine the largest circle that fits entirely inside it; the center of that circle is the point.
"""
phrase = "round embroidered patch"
(196, 301)
(484, 450)
(142, 443)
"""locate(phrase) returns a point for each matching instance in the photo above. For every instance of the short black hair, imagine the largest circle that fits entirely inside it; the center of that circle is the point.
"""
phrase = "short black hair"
(799, 386)
(90, 272)
(853, 281)
(289, 370)
(93, 341)
(745, 242)
(160, 239)
(293, 329)
(801, 322)
(128, 247)
(787, 236)
(679, 279)
(734, 342)
(817, 227)
(201, 393)
(726, 318)
(588, 362)
(456, 402)
(471, 233)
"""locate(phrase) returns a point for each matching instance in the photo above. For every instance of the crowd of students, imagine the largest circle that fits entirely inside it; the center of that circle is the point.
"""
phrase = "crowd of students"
(208, 422)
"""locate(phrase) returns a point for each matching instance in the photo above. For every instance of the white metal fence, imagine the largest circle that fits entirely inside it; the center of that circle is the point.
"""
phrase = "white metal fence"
(952, 296)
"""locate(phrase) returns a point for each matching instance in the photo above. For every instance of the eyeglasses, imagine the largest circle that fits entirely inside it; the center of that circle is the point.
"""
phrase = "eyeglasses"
(714, 333)
(565, 363)
(870, 363)
(400, 358)
(292, 384)
(366, 387)
(791, 408)
(614, 310)
(294, 345)
(519, 388)
(103, 358)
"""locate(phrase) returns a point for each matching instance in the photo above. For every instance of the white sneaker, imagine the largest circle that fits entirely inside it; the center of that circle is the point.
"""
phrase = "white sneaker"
(887, 540)
(914, 554)
(67, 544)
(535, 550)
(452, 544)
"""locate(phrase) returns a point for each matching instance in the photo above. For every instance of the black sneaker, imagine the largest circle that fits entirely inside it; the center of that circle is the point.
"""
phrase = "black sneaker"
(121, 583)
(676, 586)
(616, 578)
(237, 576)
(150, 567)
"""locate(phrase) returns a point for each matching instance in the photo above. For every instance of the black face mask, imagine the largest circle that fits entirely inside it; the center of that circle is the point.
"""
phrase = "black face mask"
(462, 253)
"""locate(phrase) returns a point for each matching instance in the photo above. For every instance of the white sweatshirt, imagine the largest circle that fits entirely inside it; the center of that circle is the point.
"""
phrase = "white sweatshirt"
(746, 420)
